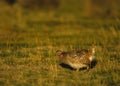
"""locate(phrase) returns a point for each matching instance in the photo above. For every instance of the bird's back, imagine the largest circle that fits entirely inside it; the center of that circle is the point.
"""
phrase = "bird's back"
(79, 57)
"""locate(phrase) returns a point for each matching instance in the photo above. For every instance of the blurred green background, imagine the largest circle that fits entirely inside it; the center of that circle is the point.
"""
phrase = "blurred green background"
(89, 7)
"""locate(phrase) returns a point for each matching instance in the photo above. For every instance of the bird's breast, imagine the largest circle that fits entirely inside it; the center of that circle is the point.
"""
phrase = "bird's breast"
(76, 65)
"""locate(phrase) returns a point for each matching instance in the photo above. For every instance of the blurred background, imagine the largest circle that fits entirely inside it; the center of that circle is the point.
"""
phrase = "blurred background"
(22, 12)
(89, 7)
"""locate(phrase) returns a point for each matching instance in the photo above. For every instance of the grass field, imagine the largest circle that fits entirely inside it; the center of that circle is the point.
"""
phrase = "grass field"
(29, 40)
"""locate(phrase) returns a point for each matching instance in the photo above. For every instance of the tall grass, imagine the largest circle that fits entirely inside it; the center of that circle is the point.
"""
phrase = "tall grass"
(29, 40)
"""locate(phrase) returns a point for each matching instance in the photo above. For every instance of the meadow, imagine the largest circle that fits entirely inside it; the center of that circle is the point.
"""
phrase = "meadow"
(29, 40)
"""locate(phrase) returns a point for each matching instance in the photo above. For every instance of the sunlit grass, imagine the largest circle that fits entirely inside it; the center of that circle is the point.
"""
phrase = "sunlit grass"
(28, 42)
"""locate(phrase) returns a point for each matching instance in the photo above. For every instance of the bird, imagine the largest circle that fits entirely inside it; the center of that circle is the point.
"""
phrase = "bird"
(77, 59)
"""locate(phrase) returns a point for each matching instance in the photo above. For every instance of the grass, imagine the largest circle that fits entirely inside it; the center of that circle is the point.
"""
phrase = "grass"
(29, 40)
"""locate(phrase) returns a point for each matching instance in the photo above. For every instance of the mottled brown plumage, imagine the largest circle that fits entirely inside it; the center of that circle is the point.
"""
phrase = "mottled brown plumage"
(78, 58)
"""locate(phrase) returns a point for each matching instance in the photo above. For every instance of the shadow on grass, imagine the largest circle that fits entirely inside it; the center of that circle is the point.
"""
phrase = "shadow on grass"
(92, 65)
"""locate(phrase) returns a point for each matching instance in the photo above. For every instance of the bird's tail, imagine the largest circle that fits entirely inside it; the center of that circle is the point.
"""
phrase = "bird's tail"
(93, 49)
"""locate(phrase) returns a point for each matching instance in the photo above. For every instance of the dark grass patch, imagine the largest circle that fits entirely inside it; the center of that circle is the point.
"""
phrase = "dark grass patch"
(48, 23)
(2, 83)
(5, 54)
(45, 53)
(22, 55)
(108, 81)
(115, 57)
(16, 45)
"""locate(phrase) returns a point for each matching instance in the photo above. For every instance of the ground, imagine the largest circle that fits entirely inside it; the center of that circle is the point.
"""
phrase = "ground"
(29, 40)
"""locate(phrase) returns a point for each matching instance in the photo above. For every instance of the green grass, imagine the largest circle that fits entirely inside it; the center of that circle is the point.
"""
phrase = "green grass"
(29, 40)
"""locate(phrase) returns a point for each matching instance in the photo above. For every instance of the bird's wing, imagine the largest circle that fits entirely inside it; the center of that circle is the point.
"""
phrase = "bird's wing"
(77, 54)
(81, 53)
(83, 56)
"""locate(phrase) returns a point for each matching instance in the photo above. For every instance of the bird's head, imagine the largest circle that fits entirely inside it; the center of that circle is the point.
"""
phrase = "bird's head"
(61, 54)
(58, 53)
